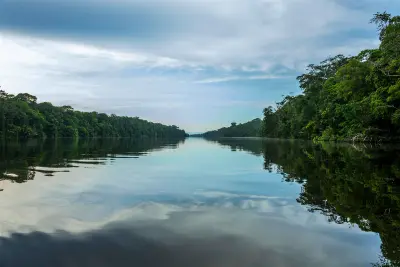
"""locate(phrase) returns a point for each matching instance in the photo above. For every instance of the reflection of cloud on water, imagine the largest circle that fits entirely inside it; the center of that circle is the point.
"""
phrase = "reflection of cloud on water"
(215, 194)
(144, 245)
(156, 234)
(83, 211)
(249, 229)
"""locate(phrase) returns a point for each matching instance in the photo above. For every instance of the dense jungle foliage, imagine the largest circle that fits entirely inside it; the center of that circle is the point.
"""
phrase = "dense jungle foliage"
(346, 98)
(22, 117)
(247, 129)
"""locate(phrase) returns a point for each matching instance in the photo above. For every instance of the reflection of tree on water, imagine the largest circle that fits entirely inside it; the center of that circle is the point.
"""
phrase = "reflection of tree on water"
(15, 160)
(356, 185)
(19, 162)
(251, 145)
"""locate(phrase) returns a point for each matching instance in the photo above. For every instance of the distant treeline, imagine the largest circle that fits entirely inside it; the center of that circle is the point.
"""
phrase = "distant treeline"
(248, 129)
(22, 117)
(346, 98)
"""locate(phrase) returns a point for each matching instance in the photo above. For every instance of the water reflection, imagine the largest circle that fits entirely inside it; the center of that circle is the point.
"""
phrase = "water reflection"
(353, 184)
(19, 162)
(195, 203)
(203, 237)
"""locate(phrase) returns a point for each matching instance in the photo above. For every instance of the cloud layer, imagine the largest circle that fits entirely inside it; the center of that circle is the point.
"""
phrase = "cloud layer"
(178, 55)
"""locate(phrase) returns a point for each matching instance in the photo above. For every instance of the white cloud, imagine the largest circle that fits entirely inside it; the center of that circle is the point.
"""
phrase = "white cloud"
(238, 78)
(231, 34)
(263, 33)
(125, 83)
(177, 57)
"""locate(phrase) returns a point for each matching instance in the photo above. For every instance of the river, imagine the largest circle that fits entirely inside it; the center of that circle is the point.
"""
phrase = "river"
(193, 202)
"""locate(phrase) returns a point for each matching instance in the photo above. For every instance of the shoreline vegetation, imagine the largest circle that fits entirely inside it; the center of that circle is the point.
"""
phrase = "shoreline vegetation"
(248, 129)
(21, 117)
(343, 99)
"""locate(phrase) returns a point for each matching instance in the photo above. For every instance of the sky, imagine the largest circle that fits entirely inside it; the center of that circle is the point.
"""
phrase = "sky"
(197, 64)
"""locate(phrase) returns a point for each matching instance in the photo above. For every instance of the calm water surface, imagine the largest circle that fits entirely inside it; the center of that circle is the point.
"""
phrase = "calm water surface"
(198, 203)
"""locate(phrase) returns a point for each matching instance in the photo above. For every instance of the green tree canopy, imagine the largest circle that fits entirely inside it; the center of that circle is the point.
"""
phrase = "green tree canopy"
(346, 98)
(22, 117)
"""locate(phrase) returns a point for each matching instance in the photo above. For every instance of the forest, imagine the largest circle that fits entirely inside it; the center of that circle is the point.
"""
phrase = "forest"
(21, 117)
(247, 129)
(343, 98)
